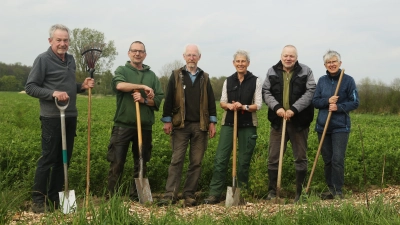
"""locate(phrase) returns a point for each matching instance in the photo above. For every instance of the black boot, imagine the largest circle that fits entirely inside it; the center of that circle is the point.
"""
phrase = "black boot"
(300, 178)
(273, 177)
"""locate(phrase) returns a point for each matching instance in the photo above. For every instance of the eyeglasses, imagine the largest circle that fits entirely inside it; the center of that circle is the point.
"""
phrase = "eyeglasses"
(191, 55)
(331, 62)
(135, 51)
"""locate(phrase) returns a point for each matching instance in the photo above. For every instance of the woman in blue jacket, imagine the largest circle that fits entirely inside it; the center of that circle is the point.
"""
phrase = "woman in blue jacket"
(337, 135)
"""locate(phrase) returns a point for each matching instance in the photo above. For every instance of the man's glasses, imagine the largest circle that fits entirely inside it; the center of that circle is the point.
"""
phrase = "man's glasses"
(135, 51)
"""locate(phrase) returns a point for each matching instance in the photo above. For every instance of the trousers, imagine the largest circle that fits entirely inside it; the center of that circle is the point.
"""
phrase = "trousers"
(49, 175)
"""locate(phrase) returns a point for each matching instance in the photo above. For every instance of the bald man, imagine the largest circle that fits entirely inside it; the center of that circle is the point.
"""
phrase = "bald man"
(189, 116)
(288, 90)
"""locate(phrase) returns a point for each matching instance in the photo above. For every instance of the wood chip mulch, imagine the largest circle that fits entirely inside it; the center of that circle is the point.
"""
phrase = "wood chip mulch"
(390, 194)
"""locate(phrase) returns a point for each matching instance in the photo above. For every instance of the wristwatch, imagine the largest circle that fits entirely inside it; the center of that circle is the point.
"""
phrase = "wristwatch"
(145, 101)
(247, 107)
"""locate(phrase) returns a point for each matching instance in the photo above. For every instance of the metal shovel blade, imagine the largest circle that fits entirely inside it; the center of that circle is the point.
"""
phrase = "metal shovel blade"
(67, 201)
(232, 197)
(143, 190)
(142, 184)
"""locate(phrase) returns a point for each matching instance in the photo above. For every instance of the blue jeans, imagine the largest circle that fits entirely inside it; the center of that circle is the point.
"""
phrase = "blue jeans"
(180, 139)
(333, 152)
(49, 176)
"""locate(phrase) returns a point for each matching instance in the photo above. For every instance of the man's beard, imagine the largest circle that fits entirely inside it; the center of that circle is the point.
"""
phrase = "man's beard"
(191, 65)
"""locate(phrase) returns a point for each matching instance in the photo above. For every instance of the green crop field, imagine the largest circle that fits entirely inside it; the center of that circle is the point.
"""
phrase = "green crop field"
(20, 148)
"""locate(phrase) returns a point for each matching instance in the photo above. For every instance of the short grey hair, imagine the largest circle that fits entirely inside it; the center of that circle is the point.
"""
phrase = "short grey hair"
(291, 46)
(58, 27)
(243, 53)
(137, 42)
(330, 54)
(186, 46)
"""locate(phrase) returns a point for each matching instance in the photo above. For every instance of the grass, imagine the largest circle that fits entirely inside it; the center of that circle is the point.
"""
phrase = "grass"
(20, 148)
(117, 211)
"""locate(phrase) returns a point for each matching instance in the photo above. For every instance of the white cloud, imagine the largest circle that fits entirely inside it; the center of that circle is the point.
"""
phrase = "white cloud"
(364, 32)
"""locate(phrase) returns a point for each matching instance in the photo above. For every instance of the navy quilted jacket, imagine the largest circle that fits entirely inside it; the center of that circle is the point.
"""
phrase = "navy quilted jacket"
(348, 101)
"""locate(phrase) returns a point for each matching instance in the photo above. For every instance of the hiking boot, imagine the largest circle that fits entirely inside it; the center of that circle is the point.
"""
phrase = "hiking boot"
(300, 178)
(39, 207)
(339, 196)
(134, 198)
(273, 178)
(271, 195)
(167, 200)
(211, 199)
(327, 195)
(189, 202)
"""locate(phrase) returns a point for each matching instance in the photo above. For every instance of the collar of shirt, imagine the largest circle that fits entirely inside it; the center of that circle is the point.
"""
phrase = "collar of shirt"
(192, 76)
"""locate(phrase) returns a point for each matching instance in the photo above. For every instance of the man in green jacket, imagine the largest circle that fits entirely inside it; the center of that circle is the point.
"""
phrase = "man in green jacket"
(133, 76)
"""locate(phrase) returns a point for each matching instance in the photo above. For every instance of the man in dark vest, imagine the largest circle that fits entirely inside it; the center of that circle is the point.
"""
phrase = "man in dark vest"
(288, 90)
(189, 116)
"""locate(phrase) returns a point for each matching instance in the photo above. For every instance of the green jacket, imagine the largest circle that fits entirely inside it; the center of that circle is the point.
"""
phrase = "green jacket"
(125, 115)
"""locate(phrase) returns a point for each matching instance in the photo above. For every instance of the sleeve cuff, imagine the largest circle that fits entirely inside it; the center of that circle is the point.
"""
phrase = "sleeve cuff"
(294, 110)
(213, 119)
(166, 119)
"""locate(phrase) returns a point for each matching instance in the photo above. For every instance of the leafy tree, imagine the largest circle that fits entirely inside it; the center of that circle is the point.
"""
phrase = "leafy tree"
(166, 72)
(217, 84)
(81, 38)
(19, 71)
(365, 92)
(103, 84)
(396, 84)
(10, 83)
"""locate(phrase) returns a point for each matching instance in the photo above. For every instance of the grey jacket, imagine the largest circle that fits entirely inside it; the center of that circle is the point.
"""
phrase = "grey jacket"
(301, 91)
(49, 73)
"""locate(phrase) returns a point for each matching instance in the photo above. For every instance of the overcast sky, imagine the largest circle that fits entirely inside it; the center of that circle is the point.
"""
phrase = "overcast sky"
(365, 32)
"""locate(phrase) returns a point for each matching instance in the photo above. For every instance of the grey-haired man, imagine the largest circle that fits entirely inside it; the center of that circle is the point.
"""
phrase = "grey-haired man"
(53, 76)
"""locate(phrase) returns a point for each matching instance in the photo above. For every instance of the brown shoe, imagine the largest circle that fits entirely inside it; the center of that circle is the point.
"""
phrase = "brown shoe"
(189, 202)
(211, 200)
(39, 207)
(166, 200)
(271, 195)
(327, 195)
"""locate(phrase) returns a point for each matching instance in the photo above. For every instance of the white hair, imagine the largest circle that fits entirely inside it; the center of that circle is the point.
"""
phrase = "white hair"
(330, 54)
(198, 48)
(57, 27)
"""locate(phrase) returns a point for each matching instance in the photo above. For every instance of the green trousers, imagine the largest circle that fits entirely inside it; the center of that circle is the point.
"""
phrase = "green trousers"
(247, 137)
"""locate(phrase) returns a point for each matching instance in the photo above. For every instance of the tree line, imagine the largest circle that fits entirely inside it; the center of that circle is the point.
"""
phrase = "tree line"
(375, 96)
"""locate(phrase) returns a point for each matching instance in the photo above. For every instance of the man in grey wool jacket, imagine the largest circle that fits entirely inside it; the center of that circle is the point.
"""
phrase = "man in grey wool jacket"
(288, 90)
(53, 76)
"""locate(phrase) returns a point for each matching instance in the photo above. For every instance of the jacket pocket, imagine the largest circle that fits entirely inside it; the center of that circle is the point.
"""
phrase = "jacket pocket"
(251, 142)
(299, 86)
(176, 117)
